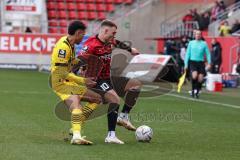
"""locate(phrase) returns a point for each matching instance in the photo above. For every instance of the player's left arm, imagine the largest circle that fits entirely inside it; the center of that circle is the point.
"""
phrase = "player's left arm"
(125, 46)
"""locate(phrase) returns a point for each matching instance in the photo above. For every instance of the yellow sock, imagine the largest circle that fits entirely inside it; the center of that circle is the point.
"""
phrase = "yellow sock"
(76, 120)
(87, 110)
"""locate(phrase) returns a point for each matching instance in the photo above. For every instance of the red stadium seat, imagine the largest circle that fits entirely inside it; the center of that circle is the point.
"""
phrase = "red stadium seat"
(70, 1)
(53, 23)
(110, 7)
(101, 7)
(128, 1)
(90, 1)
(51, 5)
(100, 1)
(81, 6)
(91, 6)
(109, 1)
(62, 15)
(82, 15)
(77, 1)
(71, 6)
(63, 23)
(118, 1)
(61, 6)
(52, 14)
(92, 15)
(72, 15)
(63, 30)
(53, 30)
(101, 15)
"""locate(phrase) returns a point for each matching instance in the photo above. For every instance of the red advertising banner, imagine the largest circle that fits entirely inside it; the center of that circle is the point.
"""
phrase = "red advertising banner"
(21, 8)
(27, 43)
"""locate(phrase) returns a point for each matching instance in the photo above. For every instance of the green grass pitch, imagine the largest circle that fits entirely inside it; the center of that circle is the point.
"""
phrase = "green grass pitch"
(184, 129)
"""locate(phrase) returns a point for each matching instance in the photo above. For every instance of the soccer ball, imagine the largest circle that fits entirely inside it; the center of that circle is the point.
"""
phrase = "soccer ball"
(144, 133)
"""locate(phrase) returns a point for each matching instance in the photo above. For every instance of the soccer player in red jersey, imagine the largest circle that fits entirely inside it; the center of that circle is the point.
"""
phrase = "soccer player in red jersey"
(101, 45)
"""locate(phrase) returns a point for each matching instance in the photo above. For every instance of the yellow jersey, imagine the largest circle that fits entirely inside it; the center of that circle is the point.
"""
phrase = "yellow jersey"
(63, 81)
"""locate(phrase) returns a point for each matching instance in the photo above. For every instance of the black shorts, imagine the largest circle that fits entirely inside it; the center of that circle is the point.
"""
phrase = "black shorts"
(197, 66)
(118, 84)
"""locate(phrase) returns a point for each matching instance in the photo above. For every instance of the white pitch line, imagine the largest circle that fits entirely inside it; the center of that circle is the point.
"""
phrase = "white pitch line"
(169, 94)
(204, 101)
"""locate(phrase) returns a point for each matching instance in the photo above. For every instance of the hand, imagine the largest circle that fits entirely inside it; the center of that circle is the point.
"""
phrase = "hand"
(82, 71)
(208, 67)
(90, 83)
(134, 52)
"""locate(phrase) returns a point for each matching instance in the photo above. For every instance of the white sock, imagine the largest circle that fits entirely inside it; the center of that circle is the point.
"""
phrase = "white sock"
(76, 135)
(111, 134)
(123, 115)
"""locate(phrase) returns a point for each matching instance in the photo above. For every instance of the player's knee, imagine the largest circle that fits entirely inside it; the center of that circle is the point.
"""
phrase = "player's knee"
(112, 98)
(73, 102)
(136, 84)
(115, 99)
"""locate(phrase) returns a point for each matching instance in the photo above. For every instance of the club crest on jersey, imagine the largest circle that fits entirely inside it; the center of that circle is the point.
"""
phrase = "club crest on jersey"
(85, 48)
(61, 53)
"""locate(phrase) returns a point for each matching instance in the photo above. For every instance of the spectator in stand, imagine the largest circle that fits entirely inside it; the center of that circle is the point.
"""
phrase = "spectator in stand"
(216, 56)
(188, 18)
(222, 9)
(204, 21)
(222, 5)
(235, 26)
(215, 10)
(225, 29)
(28, 30)
(196, 16)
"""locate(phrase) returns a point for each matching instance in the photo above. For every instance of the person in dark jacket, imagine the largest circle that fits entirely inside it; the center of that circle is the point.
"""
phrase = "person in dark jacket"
(235, 26)
(204, 21)
(216, 56)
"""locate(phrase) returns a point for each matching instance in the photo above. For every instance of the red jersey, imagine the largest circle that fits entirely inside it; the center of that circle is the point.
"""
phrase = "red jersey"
(94, 46)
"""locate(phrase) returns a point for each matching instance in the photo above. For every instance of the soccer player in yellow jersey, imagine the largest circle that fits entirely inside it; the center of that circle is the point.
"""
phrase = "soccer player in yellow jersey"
(70, 88)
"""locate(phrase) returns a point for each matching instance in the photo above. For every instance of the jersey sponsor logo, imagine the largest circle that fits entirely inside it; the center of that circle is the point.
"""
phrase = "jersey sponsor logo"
(61, 53)
(106, 56)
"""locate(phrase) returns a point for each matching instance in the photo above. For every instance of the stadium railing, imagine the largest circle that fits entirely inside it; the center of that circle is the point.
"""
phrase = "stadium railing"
(178, 29)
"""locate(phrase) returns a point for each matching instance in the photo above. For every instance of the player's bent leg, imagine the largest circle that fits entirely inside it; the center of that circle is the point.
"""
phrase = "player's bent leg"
(133, 84)
(114, 101)
(93, 100)
(73, 102)
(91, 96)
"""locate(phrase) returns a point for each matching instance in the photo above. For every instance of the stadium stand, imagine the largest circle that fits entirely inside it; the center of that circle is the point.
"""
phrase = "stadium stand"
(62, 11)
